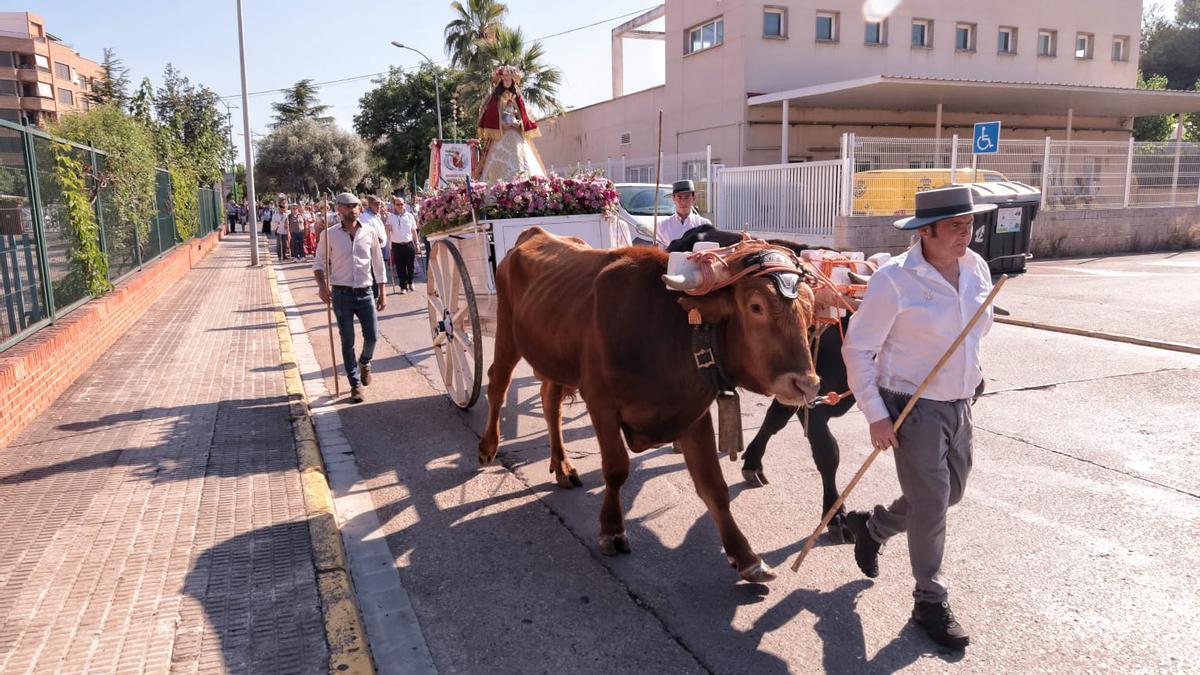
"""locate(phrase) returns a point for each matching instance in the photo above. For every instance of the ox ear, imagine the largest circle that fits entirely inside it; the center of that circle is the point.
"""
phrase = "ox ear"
(713, 308)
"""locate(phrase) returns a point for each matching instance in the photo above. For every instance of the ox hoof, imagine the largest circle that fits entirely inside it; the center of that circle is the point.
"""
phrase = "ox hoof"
(755, 478)
(839, 532)
(568, 480)
(758, 573)
(612, 544)
(486, 456)
(677, 448)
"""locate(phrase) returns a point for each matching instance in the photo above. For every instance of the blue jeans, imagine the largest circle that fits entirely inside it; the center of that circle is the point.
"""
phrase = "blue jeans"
(347, 304)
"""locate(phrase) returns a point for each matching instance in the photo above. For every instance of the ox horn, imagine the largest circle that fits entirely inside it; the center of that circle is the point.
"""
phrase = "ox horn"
(859, 279)
(683, 282)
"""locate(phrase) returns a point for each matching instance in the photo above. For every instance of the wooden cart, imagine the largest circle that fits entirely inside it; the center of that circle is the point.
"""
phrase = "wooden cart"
(461, 288)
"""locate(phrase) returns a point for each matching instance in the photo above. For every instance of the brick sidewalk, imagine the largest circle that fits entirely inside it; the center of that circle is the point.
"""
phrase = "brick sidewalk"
(152, 520)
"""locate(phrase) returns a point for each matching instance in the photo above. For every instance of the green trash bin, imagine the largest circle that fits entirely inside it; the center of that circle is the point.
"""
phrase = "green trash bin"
(1002, 236)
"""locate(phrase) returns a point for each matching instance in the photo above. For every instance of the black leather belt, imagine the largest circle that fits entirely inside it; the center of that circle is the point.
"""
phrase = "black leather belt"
(351, 289)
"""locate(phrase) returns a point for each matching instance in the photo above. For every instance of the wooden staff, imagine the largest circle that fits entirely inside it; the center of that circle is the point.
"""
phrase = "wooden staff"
(337, 387)
(657, 176)
(899, 420)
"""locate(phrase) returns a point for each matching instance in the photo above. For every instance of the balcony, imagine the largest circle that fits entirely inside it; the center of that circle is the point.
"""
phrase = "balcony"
(38, 103)
(33, 74)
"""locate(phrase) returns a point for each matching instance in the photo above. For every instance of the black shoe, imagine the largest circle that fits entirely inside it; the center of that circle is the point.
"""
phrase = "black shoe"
(356, 394)
(364, 373)
(939, 622)
(866, 549)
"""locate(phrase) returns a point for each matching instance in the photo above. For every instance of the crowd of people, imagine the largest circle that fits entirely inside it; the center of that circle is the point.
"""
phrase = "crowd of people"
(296, 226)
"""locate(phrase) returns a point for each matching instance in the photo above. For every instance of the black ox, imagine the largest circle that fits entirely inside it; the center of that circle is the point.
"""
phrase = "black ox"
(830, 367)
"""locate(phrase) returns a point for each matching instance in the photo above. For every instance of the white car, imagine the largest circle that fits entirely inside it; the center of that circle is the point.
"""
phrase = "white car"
(637, 208)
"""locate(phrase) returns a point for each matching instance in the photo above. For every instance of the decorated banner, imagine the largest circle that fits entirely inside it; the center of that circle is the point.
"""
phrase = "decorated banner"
(455, 160)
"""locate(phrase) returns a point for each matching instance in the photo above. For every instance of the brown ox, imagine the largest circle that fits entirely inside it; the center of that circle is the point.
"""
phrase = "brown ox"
(603, 322)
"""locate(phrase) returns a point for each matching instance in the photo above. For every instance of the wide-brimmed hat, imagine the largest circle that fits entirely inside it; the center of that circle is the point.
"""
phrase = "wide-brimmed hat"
(347, 199)
(942, 203)
(682, 186)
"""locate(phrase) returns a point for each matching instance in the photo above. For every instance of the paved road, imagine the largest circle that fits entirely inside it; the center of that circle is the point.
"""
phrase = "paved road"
(1152, 295)
(1073, 550)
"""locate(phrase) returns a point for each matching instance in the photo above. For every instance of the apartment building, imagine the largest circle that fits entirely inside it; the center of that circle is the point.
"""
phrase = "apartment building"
(40, 75)
(781, 81)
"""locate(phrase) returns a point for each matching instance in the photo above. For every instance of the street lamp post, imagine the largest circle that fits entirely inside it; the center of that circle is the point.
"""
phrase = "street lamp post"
(229, 114)
(252, 207)
(437, 87)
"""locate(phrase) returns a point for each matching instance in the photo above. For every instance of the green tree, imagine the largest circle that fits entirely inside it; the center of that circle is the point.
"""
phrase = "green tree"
(191, 129)
(539, 83)
(1154, 127)
(1191, 123)
(474, 24)
(141, 105)
(1172, 48)
(300, 102)
(398, 118)
(114, 86)
(306, 156)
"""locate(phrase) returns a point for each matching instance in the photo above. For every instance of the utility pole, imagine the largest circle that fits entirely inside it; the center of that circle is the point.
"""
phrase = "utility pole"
(251, 206)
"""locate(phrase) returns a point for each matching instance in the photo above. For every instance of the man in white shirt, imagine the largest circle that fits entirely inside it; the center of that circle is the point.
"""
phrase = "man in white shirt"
(279, 223)
(347, 272)
(371, 216)
(683, 193)
(402, 231)
(914, 308)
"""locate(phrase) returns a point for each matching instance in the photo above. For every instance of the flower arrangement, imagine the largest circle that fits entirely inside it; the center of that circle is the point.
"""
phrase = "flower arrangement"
(536, 196)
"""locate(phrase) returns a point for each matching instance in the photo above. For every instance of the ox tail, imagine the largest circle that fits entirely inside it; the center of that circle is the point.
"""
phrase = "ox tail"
(570, 394)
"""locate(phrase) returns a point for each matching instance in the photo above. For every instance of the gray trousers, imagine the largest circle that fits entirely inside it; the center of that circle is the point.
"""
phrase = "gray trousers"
(932, 463)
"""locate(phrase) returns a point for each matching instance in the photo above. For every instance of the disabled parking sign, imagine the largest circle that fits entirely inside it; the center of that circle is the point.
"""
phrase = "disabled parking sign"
(987, 138)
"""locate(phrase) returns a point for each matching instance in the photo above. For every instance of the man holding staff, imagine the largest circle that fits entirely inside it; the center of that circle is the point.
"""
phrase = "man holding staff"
(914, 308)
(683, 194)
(353, 253)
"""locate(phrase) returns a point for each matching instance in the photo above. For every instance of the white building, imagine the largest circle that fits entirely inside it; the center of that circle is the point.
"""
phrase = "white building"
(781, 82)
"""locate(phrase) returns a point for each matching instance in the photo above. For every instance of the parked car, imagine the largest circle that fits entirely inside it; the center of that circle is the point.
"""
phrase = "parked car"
(891, 192)
(637, 208)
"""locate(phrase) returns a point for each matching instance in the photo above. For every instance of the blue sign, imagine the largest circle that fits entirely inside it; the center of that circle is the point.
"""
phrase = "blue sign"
(986, 139)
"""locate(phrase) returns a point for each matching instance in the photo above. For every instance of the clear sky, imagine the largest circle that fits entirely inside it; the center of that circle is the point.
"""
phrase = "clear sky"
(290, 40)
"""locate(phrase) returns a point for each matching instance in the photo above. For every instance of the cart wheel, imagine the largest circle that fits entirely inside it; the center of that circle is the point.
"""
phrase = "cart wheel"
(454, 324)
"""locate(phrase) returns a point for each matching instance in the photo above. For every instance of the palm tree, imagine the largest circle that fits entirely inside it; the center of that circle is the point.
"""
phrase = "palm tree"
(300, 102)
(475, 24)
(540, 81)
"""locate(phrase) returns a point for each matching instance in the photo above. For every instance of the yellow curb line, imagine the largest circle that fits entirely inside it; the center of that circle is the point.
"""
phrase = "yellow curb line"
(1100, 335)
(348, 649)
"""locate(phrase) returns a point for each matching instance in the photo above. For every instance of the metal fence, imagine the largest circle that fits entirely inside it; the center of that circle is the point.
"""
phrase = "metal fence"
(887, 172)
(38, 282)
(694, 166)
(783, 199)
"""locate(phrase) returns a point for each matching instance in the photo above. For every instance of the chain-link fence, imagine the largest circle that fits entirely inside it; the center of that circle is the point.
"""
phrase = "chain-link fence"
(39, 280)
(888, 172)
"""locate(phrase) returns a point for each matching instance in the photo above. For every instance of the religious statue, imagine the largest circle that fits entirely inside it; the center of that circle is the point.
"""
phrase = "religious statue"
(508, 130)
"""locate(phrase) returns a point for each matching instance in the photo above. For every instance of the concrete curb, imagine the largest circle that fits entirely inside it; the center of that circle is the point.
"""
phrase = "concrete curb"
(1100, 335)
(348, 649)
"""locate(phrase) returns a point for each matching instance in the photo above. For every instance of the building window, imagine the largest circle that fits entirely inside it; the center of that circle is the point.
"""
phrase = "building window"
(774, 22)
(1006, 41)
(964, 37)
(1120, 48)
(705, 36)
(639, 174)
(65, 96)
(922, 33)
(1083, 45)
(38, 90)
(1047, 42)
(827, 26)
(876, 33)
(6, 60)
(62, 70)
(9, 87)
(42, 62)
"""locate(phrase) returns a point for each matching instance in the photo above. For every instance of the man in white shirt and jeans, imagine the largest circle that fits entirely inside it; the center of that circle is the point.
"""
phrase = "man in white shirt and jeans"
(353, 259)
(914, 307)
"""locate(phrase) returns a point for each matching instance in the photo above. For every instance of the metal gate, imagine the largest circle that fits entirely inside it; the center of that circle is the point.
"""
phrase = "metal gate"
(792, 201)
